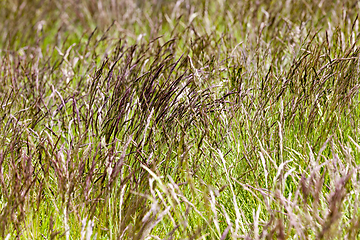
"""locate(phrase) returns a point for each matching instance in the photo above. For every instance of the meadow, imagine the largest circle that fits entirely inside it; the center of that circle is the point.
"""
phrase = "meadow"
(224, 119)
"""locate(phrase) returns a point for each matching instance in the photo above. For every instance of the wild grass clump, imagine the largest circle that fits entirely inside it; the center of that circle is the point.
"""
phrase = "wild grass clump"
(179, 119)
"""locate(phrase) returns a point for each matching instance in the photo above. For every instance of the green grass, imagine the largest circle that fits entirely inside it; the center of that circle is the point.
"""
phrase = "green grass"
(179, 119)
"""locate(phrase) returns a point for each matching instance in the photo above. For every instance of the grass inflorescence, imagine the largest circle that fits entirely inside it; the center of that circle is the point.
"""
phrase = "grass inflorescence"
(179, 119)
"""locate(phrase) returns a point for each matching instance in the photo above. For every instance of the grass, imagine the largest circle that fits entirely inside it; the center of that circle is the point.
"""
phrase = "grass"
(179, 119)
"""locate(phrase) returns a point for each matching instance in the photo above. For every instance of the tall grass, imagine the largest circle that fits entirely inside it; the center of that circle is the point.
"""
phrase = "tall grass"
(179, 119)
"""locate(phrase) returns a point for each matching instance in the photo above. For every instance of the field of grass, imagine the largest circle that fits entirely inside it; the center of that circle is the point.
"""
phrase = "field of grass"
(130, 119)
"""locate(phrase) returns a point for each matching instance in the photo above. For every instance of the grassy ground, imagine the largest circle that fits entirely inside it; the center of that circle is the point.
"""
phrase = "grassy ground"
(179, 119)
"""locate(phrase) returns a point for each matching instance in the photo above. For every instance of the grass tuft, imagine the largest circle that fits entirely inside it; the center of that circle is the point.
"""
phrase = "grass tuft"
(179, 119)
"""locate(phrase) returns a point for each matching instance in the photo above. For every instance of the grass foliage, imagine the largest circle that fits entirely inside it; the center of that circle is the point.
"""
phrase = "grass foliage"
(179, 119)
